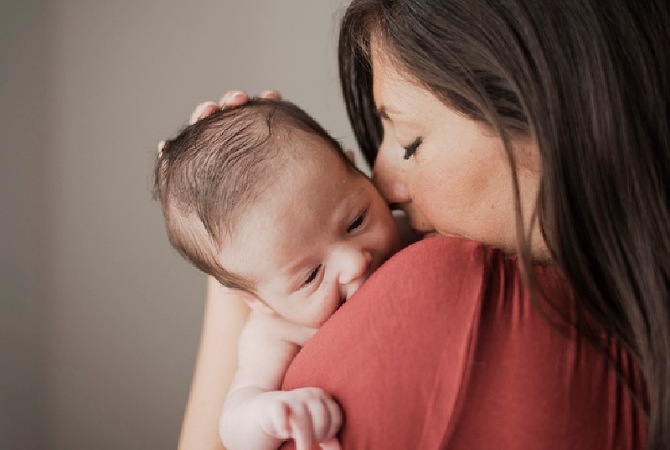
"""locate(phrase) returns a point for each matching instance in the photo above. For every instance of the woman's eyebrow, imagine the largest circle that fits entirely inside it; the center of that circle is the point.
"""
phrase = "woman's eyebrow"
(382, 112)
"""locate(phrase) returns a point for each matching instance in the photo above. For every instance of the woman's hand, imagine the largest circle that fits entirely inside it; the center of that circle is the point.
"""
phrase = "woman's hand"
(230, 98)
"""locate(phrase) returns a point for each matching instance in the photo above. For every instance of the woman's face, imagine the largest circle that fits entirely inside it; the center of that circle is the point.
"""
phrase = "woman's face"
(447, 172)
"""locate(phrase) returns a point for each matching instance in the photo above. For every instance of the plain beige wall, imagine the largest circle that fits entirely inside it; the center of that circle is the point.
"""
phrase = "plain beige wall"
(100, 317)
(23, 213)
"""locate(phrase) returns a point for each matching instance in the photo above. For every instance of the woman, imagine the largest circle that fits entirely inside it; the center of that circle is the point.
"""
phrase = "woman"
(539, 129)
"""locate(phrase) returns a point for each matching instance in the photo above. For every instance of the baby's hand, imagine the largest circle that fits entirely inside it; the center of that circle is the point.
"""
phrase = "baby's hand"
(308, 415)
(230, 98)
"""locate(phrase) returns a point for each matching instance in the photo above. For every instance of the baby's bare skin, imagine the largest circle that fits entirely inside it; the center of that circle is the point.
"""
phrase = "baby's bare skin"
(256, 415)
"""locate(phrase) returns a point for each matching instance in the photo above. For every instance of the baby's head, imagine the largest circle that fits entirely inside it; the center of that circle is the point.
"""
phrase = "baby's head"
(261, 197)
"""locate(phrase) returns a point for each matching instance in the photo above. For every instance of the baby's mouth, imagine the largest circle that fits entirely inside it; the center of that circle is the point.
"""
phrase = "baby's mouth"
(343, 300)
(359, 282)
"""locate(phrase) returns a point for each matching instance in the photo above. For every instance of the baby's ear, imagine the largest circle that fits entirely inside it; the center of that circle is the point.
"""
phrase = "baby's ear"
(351, 155)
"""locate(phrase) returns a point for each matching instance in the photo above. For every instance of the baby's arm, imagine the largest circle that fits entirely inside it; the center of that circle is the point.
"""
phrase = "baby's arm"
(258, 416)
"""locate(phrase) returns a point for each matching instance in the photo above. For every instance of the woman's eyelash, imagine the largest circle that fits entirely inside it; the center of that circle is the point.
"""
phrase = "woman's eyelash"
(411, 148)
(312, 276)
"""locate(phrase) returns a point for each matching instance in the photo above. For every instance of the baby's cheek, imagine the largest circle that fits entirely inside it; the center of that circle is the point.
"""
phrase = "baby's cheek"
(324, 306)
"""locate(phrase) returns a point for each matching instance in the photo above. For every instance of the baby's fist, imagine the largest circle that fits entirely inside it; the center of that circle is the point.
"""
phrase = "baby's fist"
(308, 415)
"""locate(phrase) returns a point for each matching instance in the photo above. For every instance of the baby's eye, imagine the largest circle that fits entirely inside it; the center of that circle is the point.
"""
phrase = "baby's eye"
(411, 148)
(312, 276)
(358, 221)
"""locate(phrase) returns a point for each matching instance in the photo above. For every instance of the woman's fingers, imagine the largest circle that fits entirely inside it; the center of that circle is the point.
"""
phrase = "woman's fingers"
(230, 98)
(271, 95)
(234, 98)
(201, 111)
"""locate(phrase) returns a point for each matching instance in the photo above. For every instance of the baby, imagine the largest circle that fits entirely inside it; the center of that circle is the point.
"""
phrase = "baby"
(261, 197)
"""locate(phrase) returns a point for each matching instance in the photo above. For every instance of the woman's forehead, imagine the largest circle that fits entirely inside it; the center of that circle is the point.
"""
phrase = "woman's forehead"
(391, 84)
(397, 99)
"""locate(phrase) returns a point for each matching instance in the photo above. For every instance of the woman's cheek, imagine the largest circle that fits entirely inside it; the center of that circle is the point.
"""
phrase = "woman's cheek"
(440, 202)
(426, 194)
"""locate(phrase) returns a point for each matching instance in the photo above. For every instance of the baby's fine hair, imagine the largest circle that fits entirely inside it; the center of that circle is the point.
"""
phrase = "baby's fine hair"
(215, 169)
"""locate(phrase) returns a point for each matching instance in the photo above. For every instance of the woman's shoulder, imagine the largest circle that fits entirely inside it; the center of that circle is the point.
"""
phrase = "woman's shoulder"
(436, 265)
(444, 345)
(438, 251)
(457, 273)
(464, 272)
(402, 345)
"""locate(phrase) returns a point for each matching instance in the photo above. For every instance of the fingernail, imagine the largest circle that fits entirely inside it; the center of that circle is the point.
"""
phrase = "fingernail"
(225, 99)
(271, 94)
(199, 109)
(230, 96)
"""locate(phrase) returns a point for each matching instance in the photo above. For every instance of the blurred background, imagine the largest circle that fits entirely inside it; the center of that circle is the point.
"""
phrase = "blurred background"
(99, 317)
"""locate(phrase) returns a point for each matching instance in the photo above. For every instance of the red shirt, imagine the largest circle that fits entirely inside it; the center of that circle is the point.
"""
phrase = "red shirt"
(442, 349)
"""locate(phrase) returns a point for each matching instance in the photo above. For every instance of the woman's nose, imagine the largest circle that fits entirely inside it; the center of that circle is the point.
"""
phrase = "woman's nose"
(389, 176)
(354, 264)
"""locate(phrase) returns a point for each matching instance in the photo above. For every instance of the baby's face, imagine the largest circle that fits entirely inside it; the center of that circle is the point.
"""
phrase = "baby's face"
(313, 238)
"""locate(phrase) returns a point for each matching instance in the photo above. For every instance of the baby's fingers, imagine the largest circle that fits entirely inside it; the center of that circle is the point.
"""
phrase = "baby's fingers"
(334, 414)
(279, 421)
(332, 444)
(301, 429)
(325, 414)
(317, 419)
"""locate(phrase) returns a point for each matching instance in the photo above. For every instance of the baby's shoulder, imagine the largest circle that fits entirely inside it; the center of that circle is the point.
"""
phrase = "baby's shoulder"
(268, 328)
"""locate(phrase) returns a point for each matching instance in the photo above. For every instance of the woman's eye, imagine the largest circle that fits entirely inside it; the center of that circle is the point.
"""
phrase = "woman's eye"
(411, 148)
(358, 221)
(312, 276)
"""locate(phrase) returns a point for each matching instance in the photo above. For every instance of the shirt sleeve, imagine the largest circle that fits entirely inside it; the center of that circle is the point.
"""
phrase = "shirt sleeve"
(396, 354)
(442, 348)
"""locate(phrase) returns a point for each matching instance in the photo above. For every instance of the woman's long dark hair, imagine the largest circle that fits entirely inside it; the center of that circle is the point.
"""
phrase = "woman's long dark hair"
(589, 81)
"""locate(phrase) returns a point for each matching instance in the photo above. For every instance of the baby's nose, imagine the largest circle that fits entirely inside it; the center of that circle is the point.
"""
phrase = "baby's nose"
(355, 265)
